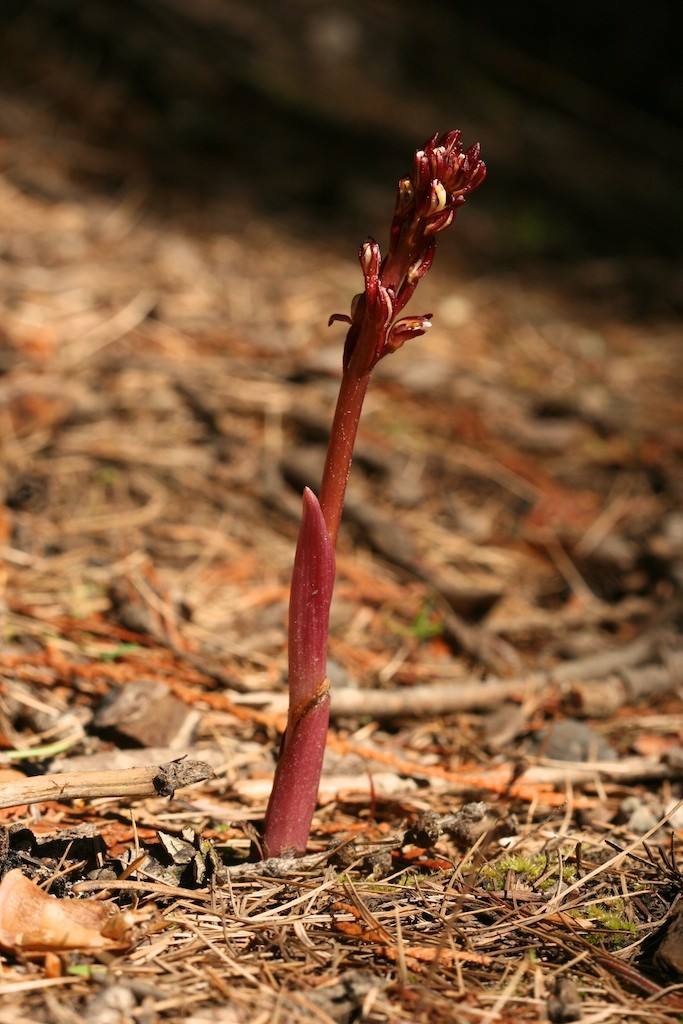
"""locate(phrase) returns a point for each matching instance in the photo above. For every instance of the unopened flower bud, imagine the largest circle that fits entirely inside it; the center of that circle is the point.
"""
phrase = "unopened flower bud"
(438, 198)
(421, 172)
(472, 154)
(404, 196)
(370, 257)
(420, 267)
(384, 308)
(438, 162)
(370, 261)
(452, 139)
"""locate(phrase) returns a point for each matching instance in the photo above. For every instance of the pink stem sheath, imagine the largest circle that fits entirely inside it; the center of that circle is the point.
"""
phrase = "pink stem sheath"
(297, 777)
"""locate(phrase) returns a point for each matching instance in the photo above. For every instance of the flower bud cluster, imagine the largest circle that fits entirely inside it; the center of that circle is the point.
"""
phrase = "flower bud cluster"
(443, 175)
(426, 203)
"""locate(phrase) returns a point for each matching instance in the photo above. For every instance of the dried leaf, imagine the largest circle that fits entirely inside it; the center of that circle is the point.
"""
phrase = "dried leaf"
(438, 954)
(33, 921)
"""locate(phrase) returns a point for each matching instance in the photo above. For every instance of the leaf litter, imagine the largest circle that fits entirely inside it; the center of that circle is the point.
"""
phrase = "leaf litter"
(510, 563)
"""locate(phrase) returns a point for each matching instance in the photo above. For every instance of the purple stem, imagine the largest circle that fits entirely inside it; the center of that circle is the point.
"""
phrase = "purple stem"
(426, 204)
(340, 448)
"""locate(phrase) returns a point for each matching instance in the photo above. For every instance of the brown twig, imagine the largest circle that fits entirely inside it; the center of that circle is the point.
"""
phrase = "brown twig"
(125, 784)
(617, 672)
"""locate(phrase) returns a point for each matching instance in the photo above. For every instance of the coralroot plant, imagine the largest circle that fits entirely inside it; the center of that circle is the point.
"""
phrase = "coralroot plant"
(426, 204)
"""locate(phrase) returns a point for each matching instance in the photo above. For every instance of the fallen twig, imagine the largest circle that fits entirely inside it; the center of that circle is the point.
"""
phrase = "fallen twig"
(125, 784)
(626, 682)
(546, 780)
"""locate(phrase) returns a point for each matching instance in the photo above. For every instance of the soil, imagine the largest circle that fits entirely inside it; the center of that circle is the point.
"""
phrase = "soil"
(499, 819)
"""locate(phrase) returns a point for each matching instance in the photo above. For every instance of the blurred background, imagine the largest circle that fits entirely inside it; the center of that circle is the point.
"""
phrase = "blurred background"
(302, 111)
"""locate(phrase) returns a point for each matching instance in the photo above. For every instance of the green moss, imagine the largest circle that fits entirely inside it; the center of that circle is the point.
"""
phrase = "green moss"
(527, 869)
(613, 928)
(610, 915)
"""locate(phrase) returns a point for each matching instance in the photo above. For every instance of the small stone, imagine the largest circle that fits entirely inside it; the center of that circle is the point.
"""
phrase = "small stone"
(570, 740)
(639, 817)
(564, 1004)
(146, 714)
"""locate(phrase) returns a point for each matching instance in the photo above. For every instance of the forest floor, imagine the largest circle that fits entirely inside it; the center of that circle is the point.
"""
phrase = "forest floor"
(499, 819)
